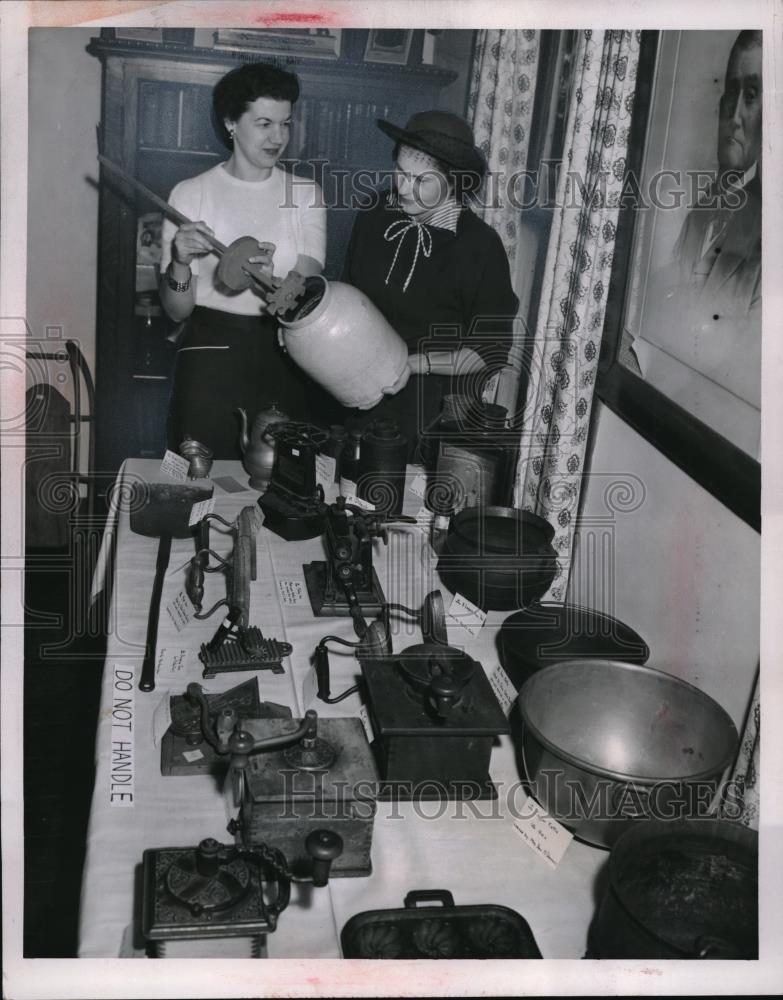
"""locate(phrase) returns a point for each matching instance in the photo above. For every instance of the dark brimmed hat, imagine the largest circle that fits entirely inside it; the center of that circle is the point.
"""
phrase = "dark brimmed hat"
(442, 135)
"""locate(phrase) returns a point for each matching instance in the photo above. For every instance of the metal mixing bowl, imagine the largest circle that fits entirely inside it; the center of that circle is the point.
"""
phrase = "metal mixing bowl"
(606, 743)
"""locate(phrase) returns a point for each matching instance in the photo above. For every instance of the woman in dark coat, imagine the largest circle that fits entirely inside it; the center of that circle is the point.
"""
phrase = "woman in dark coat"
(437, 272)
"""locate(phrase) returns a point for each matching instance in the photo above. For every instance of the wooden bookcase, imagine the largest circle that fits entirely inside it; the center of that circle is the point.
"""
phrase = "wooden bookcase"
(156, 124)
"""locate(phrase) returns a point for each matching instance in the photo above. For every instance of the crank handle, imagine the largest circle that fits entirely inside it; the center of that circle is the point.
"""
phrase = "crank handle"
(324, 847)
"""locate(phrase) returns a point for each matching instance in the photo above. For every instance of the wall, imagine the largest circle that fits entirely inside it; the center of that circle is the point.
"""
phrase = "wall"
(684, 570)
(62, 210)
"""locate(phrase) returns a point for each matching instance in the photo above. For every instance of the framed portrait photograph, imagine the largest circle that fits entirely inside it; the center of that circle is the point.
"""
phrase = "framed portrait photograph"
(389, 45)
(322, 43)
(139, 34)
(683, 345)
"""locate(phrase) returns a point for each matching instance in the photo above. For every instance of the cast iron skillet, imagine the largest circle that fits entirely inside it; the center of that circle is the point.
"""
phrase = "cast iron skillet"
(546, 632)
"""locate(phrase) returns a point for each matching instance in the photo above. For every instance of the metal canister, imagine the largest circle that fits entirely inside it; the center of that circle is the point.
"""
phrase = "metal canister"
(334, 446)
(349, 463)
(382, 465)
(470, 465)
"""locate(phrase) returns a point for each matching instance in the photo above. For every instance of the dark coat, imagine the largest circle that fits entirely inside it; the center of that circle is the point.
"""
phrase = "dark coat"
(459, 295)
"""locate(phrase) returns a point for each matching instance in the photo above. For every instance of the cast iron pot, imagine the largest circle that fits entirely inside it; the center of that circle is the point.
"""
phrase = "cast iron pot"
(500, 558)
(686, 889)
(546, 632)
(606, 744)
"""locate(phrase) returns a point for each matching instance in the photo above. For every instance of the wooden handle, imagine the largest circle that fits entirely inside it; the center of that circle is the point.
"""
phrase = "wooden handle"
(164, 206)
(147, 681)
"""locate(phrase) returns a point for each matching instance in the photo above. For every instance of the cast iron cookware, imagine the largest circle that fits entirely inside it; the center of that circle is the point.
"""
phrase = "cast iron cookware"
(546, 632)
(686, 889)
(438, 931)
(500, 558)
(607, 743)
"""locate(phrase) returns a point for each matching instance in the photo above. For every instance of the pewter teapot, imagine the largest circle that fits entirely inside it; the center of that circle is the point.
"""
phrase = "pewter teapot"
(258, 449)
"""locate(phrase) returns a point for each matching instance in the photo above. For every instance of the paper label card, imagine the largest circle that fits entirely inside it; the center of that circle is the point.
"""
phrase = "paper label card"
(466, 615)
(424, 517)
(293, 592)
(161, 719)
(358, 502)
(505, 692)
(192, 755)
(364, 715)
(325, 466)
(490, 388)
(179, 610)
(170, 661)
(543, 835)
(175, 466)
(200, 510)
(419, 485)
(309, 687)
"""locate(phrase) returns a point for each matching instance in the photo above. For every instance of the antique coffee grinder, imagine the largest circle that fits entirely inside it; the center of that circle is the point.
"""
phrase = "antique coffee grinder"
(435, 717)
(218, 893)
(289, 778)
(431, 706)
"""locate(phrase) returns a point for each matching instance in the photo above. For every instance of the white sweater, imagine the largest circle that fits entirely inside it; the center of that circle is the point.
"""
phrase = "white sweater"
(285, 210)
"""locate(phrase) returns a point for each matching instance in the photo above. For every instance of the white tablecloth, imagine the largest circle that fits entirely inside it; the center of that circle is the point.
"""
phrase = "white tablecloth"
(470, 849)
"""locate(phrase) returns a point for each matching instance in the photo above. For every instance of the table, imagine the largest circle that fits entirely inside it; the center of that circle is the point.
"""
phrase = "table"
(471, 849)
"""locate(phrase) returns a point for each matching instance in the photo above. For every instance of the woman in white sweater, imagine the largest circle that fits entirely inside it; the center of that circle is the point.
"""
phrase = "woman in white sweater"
(230, 356)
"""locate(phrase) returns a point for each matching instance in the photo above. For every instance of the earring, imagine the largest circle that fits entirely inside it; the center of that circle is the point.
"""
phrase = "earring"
(231, 134)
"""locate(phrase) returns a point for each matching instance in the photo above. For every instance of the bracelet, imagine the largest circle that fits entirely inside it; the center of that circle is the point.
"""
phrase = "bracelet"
(174, 285)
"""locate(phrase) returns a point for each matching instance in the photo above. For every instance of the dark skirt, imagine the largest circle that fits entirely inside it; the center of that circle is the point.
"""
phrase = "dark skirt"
(226, 361)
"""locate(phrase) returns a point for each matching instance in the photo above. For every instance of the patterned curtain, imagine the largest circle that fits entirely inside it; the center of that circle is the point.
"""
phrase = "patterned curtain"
(500, 103)
(741, 792)
(576, 279)
(502, 89)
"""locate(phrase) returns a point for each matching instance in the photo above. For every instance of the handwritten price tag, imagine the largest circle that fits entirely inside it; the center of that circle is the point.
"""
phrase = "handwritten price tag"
(542, 834)
(192, 755)
(424, 518)
(161, 719)
(292, 592)
(200, 510)
(309, 687)
(170, 661)
(364, 715)
(325, 466)
(465, 615)
(175, 466)
(179, 610)
(491, 388)
(419, 485)
(505, 692)
(358, 502)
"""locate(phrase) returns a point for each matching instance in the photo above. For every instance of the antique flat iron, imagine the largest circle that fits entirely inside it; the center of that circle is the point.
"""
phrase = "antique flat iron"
(236, 644)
